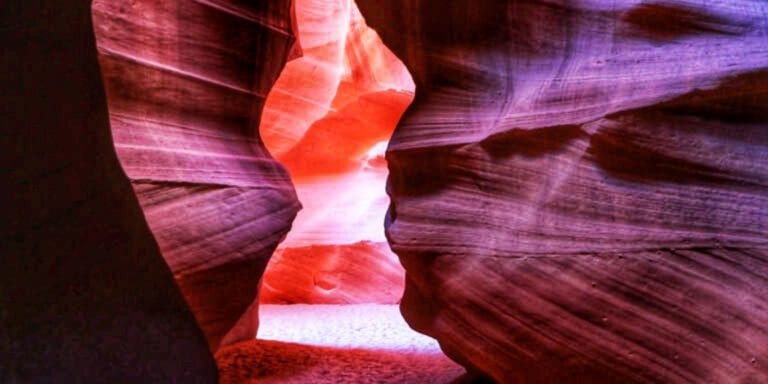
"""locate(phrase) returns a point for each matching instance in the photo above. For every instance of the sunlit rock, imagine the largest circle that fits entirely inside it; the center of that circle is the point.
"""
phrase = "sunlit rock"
(335, 274)
(328, 119)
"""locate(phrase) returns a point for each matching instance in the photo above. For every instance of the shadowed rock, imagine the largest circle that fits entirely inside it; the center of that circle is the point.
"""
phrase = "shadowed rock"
(186, 82)
(579, 188)
(85, 296)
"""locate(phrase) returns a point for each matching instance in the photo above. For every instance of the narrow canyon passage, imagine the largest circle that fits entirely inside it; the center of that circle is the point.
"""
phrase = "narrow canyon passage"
(328, 308)
(579, 191)
(205, 168)
(328, 119)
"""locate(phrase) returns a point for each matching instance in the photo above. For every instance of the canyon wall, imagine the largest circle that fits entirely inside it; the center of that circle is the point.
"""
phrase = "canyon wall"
(85, 296)
(579, 190)
(328, 119)
(186, 83)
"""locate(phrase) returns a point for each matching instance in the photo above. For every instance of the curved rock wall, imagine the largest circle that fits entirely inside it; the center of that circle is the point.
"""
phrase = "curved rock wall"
(328, 119)
(85, 296)
(186, 82)
(579, 188)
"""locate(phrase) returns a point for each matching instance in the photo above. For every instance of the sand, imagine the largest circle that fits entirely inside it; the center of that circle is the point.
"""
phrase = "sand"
(365, 343)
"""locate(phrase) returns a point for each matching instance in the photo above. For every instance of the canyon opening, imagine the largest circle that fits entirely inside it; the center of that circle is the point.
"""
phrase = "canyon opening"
(328, 120)
(223, 149)
(577, 190)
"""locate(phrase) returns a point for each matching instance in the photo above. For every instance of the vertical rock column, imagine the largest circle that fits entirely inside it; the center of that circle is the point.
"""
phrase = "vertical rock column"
(85, 296)
(186, 81)
(580, 190)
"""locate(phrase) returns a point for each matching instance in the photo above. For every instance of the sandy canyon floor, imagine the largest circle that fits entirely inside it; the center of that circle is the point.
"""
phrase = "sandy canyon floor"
(365, 343)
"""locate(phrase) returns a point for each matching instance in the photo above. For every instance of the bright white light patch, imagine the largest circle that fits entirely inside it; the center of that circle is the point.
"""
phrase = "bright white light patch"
(369, 326)
(341, 209)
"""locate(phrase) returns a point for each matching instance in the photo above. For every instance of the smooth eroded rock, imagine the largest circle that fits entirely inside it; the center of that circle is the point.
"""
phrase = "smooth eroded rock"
(363, 272)
(579, 188)
(186, 82)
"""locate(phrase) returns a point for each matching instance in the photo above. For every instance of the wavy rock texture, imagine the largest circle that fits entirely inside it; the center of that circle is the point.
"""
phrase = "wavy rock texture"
(337, 274)
(85, 296)
(186, 82)
(328, 119)
(580, 187)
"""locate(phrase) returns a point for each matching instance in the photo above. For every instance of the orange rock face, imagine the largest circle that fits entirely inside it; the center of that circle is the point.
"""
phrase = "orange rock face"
(333, 274)
(186, 82)
(328, 119)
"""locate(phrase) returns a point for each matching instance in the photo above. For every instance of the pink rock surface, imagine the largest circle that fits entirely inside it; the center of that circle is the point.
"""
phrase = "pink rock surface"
(186, 82)
(85, 296)
(328, 119)
(579, 188)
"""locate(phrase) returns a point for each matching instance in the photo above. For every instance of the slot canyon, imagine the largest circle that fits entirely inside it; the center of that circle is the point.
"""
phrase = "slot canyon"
(400, 191)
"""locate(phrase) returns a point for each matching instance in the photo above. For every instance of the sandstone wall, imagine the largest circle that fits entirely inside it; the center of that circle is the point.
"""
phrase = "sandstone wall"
(186, 82)
(579, 188)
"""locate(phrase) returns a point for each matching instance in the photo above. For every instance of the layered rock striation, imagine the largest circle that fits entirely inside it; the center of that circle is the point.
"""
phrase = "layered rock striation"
(579, 189)
(85, 296)
(186, 83)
